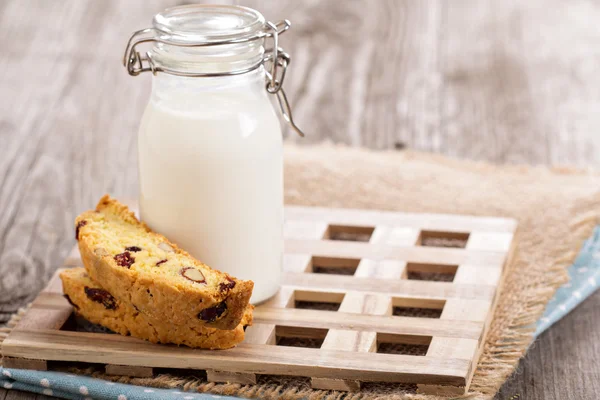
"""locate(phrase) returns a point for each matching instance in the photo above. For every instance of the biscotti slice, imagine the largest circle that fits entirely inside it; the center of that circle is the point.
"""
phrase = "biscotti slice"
(162, 281)
(97, 305)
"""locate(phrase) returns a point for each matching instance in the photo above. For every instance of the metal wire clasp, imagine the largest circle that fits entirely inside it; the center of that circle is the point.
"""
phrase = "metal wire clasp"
(275, 61)
(279, 61)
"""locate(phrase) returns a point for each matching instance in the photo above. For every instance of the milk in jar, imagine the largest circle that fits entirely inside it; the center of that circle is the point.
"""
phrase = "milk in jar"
(210, 143)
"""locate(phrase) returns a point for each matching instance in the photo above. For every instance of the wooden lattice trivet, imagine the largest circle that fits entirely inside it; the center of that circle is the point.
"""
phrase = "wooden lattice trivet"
(367, 296)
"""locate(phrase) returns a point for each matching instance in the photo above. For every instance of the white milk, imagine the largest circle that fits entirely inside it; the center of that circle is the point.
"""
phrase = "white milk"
(211, 174)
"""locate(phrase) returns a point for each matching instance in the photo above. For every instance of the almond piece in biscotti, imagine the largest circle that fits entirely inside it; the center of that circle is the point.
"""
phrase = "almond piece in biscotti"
(166, 247)
(192, 274)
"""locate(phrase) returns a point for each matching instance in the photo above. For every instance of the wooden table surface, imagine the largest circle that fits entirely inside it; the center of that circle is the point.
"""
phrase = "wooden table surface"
(504, 81)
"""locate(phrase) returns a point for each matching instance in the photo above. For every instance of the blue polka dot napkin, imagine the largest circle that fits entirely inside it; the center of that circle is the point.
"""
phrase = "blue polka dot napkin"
(75, 387)
(585, 276)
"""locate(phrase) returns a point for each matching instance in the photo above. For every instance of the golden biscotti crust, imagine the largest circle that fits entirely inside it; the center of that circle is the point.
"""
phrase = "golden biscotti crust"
(98, 306)
(150, 276)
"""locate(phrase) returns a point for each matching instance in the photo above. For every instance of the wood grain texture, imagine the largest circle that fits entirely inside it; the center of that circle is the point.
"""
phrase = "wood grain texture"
(231, 377)
(126, 370)
(508, 82)
(24, 363)
(271, 360)
(468, 310)
(369, 304)
(19, 395)
(563, 362)
(354, 332)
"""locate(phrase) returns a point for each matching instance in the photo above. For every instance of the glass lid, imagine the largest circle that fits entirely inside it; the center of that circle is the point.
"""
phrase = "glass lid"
(208, 23)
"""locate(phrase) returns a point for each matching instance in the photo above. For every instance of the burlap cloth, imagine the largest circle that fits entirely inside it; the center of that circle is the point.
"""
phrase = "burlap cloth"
(557, 209)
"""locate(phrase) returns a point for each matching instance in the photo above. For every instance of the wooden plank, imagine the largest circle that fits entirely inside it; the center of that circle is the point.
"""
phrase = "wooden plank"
(260, 333)
(404, 288)
(24, 363)
(302, 229)
(231, 377)
(579, 350)
(468, 310)
(357, 340)
(414, 254)
(368, 304)
(335, 384)
(45, 318)
(490, 241)
(466, 349)
(55, 301)
(364, 322)
(445, 222)
(418, 303)
(20, 395)
(460, 310)
(265, 333)
(296, 262)
(129, 370)
(475, 274)
(54, 284)
(437, 269)
(246, 358)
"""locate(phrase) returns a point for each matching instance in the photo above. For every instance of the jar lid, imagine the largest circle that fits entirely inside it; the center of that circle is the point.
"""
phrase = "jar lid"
(182, 35)
(199, 23)
(187, 35)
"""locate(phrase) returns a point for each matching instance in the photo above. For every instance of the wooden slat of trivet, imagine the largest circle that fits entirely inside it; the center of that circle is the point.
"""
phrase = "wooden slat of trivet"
(359, 303)
(351, 336)
(467, 310)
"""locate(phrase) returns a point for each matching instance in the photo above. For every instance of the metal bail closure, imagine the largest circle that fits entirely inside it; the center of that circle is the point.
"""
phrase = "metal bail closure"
(280, 60)
(276, 61)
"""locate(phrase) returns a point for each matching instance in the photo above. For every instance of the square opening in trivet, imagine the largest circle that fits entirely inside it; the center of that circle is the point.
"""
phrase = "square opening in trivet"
(443, 239)
(333, 265)
(430, 272)
(349, 233)
(66, 366)
(313, 300)
(417, 308)
(411, 345)
(295, 336)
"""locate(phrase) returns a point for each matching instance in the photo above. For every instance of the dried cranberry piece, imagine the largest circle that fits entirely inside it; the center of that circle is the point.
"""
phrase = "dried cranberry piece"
(134, 249)
(225, 286)
(79, 225)
(75, 306)
(124, 259)
(101, 296)
(161, 261)
(211, 314)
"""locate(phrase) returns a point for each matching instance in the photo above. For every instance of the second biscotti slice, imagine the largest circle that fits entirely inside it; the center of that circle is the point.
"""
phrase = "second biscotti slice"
(97, 305)
(162, 281)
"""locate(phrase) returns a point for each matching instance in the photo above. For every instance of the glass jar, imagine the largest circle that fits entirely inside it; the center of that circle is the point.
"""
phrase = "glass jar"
(210, 143)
